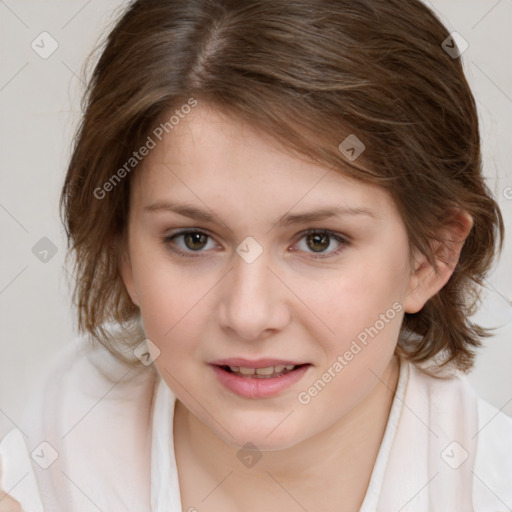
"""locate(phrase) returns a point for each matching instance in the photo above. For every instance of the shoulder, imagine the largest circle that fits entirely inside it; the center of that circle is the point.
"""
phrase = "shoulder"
(21, 449)
(16, 473)
(495, 429)
(493, 465)
(92, 412)
(83, 374)
(455, 408)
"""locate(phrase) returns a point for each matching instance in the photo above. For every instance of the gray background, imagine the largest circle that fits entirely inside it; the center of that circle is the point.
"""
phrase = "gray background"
(39, 108)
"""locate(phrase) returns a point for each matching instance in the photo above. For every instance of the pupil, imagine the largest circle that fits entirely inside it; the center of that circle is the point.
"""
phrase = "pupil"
(195, 241)
(320, 242)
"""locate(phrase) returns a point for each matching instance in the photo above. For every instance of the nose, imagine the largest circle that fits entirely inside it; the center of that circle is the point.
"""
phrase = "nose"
(253, 301)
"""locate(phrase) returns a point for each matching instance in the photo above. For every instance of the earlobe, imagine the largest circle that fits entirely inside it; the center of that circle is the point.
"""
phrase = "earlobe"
(125, 269)
(425, 280)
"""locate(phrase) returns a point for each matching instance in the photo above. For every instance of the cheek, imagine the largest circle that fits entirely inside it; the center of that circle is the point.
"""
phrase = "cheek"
(168, 299)
(363, 301)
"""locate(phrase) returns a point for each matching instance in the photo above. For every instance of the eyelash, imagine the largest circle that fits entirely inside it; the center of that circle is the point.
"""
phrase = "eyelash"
(168, 241)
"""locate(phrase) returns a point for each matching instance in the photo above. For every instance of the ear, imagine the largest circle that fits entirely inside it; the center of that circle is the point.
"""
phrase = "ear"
(126, 271)
(425, 282)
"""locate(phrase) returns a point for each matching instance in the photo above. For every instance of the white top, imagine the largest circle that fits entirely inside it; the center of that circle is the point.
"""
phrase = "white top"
(100, 436)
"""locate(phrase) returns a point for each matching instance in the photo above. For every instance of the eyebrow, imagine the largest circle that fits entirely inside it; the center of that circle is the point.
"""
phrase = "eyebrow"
(287, 219)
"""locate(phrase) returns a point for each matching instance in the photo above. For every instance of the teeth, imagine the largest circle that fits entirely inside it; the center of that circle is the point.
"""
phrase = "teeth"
(269, 371)
(265, 371)
(246, 371)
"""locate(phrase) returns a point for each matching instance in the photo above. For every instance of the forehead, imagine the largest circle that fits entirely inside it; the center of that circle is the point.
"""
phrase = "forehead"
(211, 157)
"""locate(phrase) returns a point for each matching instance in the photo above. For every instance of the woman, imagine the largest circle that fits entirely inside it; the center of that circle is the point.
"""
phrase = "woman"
(279, 221)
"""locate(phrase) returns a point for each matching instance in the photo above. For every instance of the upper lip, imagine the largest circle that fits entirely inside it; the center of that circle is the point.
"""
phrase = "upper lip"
(254, 363)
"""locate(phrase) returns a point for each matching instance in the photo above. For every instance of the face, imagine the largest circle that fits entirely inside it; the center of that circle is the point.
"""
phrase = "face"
(242, 255)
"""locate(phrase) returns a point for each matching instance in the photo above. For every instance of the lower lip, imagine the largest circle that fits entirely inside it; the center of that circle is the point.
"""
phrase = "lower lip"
(254, 387)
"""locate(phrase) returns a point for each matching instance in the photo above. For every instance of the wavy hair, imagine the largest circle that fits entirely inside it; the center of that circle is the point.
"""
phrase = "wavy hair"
(309, 72)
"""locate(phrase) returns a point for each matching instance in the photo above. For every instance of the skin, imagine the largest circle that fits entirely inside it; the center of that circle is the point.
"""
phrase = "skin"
(8, 504)
(286, 304)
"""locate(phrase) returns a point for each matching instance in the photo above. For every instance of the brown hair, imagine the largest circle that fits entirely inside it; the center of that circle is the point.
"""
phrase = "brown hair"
(309, 73)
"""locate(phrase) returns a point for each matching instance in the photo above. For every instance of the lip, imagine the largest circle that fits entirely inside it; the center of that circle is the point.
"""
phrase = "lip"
(254, 363)
(248, 387)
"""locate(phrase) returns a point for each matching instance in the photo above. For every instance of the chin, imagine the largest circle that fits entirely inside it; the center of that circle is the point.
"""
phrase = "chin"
(266, 437)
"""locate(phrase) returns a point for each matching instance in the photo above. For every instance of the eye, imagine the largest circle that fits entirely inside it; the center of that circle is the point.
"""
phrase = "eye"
(187, 242)
(321, 243)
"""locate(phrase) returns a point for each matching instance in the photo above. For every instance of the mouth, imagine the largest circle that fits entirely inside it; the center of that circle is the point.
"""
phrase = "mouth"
(266, 372)
(263, 378)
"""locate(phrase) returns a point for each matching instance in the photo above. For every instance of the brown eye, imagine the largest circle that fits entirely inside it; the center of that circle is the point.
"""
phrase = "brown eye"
(195, 240)
(318, 242)
(188, 242)
(321, 243)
